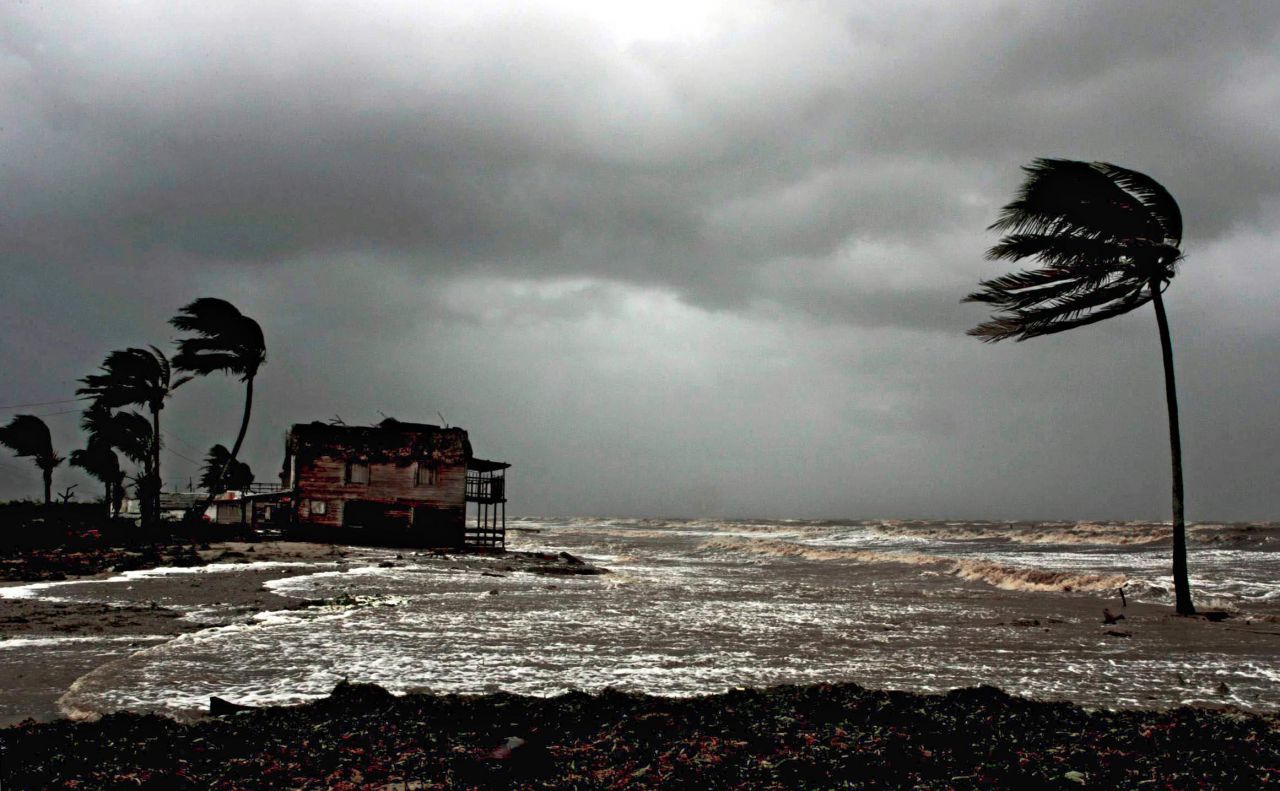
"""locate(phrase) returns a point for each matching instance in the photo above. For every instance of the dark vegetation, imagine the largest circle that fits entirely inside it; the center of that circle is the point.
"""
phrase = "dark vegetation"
(54, 542)
(221, 339)
(28, 436)
(787, 737)
(1107, 240)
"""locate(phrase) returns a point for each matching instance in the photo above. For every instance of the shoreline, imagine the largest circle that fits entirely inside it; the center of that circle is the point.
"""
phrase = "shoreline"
(165, 602)
(779, 737)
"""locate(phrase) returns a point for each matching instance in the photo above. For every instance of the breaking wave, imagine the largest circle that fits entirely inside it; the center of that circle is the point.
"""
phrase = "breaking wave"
(999, 575)
(1082, 533)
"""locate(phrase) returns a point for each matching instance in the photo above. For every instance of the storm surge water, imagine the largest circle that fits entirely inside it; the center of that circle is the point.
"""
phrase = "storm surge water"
(700, 606)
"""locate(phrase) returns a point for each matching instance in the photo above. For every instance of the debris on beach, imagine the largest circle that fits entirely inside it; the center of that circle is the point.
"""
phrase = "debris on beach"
(783, 737)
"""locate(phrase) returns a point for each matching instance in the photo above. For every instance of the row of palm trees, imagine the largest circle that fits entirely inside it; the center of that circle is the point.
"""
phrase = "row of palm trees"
(220, 339)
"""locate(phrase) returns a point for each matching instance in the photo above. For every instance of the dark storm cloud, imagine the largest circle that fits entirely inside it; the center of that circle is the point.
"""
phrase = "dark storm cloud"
(524, 143)
(791, 193)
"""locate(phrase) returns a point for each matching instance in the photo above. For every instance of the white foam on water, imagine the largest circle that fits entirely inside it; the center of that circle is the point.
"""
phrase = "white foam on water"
(60, 641)
(698, 607)
(59, 590)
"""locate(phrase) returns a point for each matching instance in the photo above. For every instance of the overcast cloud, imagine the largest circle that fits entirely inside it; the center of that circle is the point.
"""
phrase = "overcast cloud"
(668, 258)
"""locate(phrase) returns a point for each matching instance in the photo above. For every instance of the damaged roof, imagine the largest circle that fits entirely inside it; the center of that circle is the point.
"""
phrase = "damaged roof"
(390, 440)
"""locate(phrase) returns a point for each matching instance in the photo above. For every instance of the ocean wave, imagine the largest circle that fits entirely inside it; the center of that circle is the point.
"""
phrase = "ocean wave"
(1081, 533)
(999, 575)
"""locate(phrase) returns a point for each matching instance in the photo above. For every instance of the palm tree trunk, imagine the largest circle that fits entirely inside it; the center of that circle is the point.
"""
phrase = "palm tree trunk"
(155, 464)
(1181, 584)
(235, 449)
(244, 424)
(47, 473)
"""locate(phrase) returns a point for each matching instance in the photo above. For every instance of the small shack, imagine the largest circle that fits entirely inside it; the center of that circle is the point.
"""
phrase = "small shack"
(394, 482)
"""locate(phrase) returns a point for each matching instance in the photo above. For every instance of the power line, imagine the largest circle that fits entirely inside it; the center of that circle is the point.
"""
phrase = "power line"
(164, 432)
(63, 412)
(45, 403)
(179, 455)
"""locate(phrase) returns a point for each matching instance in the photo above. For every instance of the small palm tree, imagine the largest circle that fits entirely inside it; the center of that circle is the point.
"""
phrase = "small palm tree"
(221, 472)
(142, 377)
(1107, 241)
(27, 435)
(126, 432)
(99, 460)
(226, 340)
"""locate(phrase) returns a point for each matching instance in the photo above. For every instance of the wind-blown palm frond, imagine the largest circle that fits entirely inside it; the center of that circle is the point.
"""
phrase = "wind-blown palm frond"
(225, 339)
(211, 475)
(98, 459)
(132, 376)
(1104, 235)
(127, 432)
(221, 472)
(28, 436)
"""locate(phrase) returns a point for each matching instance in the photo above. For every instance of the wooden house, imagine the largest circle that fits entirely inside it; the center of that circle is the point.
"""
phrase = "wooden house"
(396, 482)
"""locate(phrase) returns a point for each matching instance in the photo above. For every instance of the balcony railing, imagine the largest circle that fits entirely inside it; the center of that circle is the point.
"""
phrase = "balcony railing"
(485, 489)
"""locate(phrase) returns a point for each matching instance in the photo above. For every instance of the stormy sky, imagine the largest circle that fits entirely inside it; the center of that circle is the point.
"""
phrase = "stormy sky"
(668, 258)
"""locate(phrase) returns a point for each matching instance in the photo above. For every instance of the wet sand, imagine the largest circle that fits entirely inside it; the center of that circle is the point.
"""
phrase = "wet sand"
(34, 679)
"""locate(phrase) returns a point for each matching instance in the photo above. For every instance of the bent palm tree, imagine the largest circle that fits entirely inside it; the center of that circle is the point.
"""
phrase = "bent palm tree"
(224, 340)
(142, 377)
(1107, 240)
(27, 435)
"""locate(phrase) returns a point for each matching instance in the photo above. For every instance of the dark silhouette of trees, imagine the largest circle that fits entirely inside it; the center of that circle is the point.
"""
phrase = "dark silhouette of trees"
(1107, 240)
(27, 435)
(221, 472)
(223, 339)
(141, 377)
(99, 460)
(126, 432)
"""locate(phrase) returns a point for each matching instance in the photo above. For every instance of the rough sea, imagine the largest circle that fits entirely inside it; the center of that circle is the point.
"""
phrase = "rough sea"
(701, 606)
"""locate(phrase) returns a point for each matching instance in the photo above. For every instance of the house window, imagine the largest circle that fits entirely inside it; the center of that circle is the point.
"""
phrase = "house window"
(318, 507)
(357, 472)
(427, 475)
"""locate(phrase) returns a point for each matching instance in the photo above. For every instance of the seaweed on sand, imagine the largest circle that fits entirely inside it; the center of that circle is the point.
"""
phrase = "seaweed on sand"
(784, 737)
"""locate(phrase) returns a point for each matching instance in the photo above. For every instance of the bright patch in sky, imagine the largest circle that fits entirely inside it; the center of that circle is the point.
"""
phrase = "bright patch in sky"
(651, 20)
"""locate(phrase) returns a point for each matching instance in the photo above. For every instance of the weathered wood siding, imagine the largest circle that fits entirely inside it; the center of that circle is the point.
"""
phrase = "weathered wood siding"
(390, 499)
(324, 479)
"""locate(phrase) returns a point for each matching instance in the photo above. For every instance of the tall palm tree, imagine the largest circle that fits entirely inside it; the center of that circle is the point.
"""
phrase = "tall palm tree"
(27, 435)
(221, 472)
(1107, 240)
(142, 377)
(226, 340)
